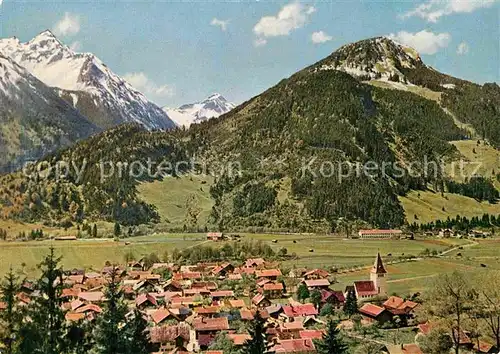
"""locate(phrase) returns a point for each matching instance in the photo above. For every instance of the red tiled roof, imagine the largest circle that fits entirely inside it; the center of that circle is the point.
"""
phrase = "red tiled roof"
(91, 296)
(239, 339)
(365, 288)
(483, 347)
(371, 310)
(70, 292)
(268, 273)
(89, 307)
(211, 324)
(311, 334)
(207, 310)
(185, 300)
(142, 298)
(292, 326)
(254, 262)
(317, 282)
(300, 310)
(327, 294)
(295, 346)
(168, 334)
(237, 303)
(273, 287)
(380, 232)
(160, 315)
(249, 315)
(393, 302)
(412, 349)
(425, 328)
(71, 316)
(257, 299)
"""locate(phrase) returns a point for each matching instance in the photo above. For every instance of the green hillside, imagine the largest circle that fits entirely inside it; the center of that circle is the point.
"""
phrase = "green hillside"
(171, 196)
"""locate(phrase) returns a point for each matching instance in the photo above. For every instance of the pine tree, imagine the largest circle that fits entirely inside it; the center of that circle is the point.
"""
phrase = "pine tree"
(110, 333)
(257, 343)
(118, 229)
(11, 317)
(302, 292)
(331, 343)
(46, 332)
(316, 298)
(137, 335)
(351, 303)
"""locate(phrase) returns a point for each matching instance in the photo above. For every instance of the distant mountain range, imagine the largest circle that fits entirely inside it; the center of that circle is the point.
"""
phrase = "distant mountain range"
(369, 102)
(85, 82)
(34, 120)
(211, 107)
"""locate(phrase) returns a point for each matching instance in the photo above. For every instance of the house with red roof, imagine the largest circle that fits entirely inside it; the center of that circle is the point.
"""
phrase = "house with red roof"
(273, 290)
(317, 284)
(271, 274)
(295, 346)
(373, 312)
(398, 306)
(301, 310)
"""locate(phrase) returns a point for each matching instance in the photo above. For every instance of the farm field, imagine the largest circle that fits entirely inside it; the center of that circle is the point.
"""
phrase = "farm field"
(80, 254)
(352, 257)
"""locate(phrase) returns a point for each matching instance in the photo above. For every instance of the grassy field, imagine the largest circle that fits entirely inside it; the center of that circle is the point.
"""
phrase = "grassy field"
(479, 159)
(353, 258)
(171, 194)
(89, 254)
(428, 206)
(421, 91)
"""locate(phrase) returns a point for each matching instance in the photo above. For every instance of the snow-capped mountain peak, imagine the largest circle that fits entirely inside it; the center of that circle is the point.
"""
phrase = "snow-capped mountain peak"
(187, 114)
(85, 81)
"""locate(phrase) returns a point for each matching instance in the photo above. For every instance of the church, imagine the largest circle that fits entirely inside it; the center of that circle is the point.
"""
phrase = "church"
(376, 287)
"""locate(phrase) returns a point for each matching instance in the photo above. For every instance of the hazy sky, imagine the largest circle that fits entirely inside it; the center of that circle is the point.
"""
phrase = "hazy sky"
(179, 52)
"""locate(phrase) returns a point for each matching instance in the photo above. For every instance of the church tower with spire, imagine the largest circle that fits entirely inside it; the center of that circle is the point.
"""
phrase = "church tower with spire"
(378, 275)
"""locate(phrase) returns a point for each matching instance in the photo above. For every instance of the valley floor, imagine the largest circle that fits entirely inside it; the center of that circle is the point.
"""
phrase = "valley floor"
(351, 258)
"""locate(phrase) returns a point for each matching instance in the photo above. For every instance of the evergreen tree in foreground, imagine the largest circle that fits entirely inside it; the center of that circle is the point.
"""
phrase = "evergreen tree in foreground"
(351, 303)
(46, 331)
(331, 343)
(256, 345)
(137, 334)
(110, 332)
(11, 317)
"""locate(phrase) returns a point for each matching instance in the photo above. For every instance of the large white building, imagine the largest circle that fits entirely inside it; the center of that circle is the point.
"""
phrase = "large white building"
(379, 234)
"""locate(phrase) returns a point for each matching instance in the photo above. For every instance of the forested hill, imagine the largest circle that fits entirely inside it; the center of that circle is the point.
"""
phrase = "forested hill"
(287, 141)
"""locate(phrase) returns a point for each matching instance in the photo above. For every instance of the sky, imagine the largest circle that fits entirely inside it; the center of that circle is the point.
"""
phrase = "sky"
(179, 52)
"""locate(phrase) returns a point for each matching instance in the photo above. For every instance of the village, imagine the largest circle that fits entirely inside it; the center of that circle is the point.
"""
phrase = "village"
(190, 307)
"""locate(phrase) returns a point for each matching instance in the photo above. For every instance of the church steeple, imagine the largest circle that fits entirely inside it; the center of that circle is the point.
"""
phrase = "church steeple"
(378, 266)
(378, 275)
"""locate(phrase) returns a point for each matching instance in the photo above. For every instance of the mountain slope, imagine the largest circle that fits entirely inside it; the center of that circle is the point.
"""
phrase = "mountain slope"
(34, 120)
(85, 82)
(320, 148)
(213, 106)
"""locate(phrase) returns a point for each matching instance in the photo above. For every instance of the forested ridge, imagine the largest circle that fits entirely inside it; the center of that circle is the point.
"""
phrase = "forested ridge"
(326, 120)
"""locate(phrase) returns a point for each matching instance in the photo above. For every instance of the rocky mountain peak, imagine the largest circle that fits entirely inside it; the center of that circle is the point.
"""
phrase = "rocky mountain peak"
(379, 57)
